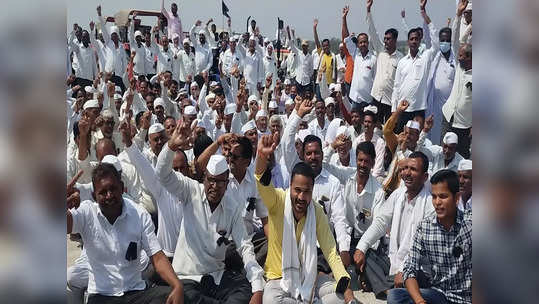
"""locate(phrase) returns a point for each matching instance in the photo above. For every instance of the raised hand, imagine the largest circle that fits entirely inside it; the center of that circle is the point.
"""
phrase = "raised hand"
(84, 126)
(369, 5)
(92, 24)
(125, 130)
(345, 11)
(198, 23)
(359, 259)
(110, 88)
(422, 4)
(73, 194)
(99, 10)
(315, 22)
(180, 138)
(266, 146)
(429, 122)
(145, 120)
(403, 105)
(403, 13)
(305, 108)
(462, 6)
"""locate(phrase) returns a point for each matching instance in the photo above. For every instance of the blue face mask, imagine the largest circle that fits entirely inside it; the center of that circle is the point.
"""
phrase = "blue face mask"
(445, 46)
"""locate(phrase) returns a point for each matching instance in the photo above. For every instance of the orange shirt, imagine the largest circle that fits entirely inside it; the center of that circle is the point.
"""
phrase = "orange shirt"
(349, 72)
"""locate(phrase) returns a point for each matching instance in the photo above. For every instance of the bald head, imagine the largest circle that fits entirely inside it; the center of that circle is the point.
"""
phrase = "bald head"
(104, 147)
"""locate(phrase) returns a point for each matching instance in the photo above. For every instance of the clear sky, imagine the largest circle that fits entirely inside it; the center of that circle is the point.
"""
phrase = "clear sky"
(298, 13)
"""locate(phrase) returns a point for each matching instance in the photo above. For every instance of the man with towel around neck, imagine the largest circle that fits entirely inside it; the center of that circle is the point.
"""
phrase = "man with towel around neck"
(291, 264)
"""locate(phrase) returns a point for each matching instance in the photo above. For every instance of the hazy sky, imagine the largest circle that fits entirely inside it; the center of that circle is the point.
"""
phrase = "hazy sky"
(298, 13)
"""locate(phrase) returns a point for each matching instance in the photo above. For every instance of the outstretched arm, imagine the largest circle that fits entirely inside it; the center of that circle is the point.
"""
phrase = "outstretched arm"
(316, 41)
(377, 43)
(344, 32)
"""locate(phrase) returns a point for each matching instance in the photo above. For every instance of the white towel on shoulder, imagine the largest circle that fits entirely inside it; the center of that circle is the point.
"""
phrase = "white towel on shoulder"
(299, 266)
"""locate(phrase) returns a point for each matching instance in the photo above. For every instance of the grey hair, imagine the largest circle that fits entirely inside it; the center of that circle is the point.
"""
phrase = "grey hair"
(107, 114)
(276, 118)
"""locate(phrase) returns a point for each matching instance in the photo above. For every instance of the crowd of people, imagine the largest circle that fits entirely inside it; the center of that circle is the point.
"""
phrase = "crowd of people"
(206, 167)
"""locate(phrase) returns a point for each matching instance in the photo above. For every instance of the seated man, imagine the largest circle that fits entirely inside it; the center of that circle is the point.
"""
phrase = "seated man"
(211, 217)
(446, 241)
(291, 264)
(115, 230)
(400, 214)
(440, 157)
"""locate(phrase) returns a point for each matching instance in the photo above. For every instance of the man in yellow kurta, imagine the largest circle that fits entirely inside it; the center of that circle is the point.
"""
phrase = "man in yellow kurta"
(295, 225)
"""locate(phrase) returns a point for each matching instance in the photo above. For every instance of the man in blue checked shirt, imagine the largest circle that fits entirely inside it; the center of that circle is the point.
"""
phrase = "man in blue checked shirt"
(446, 241)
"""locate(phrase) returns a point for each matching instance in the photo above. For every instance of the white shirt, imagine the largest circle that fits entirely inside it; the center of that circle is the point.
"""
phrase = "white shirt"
(86, 67)
(185, 65)
(243, 191)
(228, 60)
(315, 128)
(364, 71)
(380, 149)
(304, 66)
(386, 66)
(140, 52)
(169, 208)
(116, 60)
(110, 274)
(341, 64)
(197, 252)
(412, 76)
(203, 54)
(270, 67)
(164, 59)
(149, 57)
(461, 204)
(253, 68)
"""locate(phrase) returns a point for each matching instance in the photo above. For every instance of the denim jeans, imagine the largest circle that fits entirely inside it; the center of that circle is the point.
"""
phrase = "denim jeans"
(401, 296)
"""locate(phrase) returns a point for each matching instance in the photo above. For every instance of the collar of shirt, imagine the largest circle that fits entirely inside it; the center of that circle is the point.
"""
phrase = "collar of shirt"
(125, 210)
(369, 185)
(459, 219)
(324, 175)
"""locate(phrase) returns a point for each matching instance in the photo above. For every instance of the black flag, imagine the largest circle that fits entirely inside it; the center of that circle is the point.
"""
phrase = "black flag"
(225, 9)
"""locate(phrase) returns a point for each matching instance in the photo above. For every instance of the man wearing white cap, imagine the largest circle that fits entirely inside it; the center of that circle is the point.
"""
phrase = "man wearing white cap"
(211, 217)
(150, 51)
(189, 114)
(261, 120)
(370, 119)
(330, 108)
(135, 44)
(203, 53)
(441, 157)
(156, 139)
(466, 23)
(386, 65)
(159, 108)
(230, 63)
(273, 108)
(253, 68)
(174, 23)
(270, 64)
(184, 63)
(116, 61)
(164, 56)
(465, 184)
(304, 70)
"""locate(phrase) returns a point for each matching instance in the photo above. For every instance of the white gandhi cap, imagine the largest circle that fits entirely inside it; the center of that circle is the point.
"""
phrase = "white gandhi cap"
(250, 125)
(450, 138)
(159, 102)
(189, 110)
(155, 128)
(261, 113)
(412, 124)
(273, 105)
(113, 160)
(230, 109)
(464, 165)
(92, 103)
(217, 165)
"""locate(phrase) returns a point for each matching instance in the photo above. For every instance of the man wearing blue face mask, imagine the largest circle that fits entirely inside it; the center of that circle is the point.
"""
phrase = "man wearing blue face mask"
(440, 81)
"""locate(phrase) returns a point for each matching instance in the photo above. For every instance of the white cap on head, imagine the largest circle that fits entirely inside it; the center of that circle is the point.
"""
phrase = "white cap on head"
(266, 40)
(159, 102)
(210, 96)
(186, 40)
(92, 103)
(138, 33)
(193, 84)
(214, 83)
(250, 125)
(217, 165)
(338, 87)
(302, 134)
(261, 113)
(117, 89)
(252, 37)
(450, 138)
(114, 29)
(230, 109)
(90, 89)
(412, 124)
(234, 38)
(107, 113)
(287, 81)
(331, 87)
(113, 160)
(342, 130)
(175, 35)
(190, 110)
(251, 98)
(155, 128)
(117, 96)
(201, 32)
(289, 102)
(371, 108)
(329, 100)
(465, 164)
(273, 105)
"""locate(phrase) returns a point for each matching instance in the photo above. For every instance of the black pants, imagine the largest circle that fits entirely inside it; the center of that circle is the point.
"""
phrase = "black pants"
(233, 260)
(152, 295)
(301, 89)
(233, 288)
(384, 111)
(118, 81)
(463, 146)
(405, 117)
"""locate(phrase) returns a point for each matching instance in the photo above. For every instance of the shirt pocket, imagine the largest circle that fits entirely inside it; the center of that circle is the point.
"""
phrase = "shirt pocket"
(418, 71)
